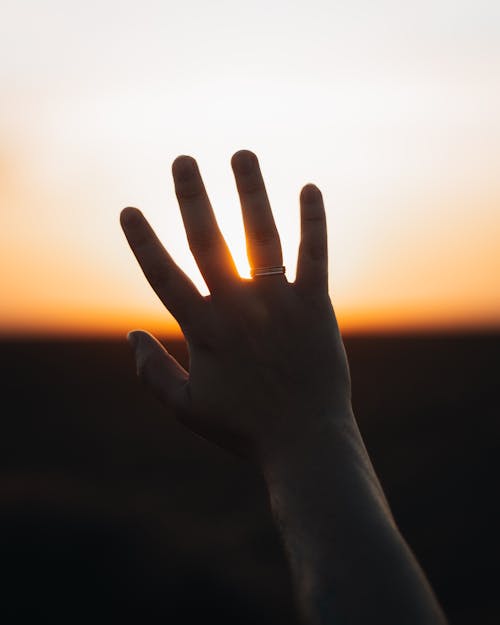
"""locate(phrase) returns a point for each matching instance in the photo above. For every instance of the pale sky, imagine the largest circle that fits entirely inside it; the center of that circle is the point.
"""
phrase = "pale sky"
(391, 108)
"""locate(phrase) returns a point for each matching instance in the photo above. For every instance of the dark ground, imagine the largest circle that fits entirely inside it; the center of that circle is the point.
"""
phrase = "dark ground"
(110, 512)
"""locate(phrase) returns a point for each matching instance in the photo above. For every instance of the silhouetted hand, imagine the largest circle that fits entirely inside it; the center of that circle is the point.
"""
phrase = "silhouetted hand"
(266, 361)
(268, 379)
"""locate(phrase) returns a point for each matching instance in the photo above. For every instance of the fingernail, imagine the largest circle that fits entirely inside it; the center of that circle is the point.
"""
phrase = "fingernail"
(133, 339)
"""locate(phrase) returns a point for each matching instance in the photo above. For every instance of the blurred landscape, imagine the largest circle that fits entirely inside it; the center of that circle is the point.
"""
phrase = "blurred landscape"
(110, 511)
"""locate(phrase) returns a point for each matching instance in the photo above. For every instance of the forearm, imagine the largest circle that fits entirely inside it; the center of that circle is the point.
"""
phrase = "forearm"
(349, 562)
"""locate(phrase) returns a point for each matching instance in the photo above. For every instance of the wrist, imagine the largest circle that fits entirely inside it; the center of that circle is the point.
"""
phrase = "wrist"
(325, 461)
(333, 437)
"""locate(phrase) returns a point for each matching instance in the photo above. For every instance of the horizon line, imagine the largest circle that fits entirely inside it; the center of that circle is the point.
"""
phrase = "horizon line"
(367, 332)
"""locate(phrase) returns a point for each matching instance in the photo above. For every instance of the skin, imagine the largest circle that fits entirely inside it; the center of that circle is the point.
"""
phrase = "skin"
(269, 380)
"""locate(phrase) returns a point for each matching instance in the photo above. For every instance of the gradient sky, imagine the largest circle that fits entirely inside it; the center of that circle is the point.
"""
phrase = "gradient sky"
(391, 108)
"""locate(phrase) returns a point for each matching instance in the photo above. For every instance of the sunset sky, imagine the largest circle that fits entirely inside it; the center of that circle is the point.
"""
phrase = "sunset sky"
(392, 108)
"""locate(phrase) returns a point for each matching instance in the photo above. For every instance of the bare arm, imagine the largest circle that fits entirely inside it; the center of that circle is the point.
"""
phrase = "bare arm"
(268, 379)
(349, 561)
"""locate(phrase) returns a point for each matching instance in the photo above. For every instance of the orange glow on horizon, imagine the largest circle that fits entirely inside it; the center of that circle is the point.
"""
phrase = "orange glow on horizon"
(116, 324)
(394, 117)
(84, 324)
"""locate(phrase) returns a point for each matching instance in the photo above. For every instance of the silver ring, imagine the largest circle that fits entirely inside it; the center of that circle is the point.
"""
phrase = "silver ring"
(267, 271)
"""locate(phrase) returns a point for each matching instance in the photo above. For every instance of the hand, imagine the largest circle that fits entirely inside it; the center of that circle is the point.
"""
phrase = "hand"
(266, 361)
(268, 379)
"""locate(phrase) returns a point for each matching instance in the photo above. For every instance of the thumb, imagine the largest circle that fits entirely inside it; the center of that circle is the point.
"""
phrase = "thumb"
(160, 371)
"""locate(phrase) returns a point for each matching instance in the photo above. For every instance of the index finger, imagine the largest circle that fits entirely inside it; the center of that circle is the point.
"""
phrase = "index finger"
(169, 282)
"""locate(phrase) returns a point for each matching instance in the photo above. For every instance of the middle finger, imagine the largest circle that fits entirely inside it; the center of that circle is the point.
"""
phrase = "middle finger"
(263, 242)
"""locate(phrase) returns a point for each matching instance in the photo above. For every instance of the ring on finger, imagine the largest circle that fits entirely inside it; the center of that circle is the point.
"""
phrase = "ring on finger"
(258, 272)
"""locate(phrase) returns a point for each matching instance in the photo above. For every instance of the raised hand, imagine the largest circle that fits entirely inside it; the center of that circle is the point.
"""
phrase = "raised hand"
(268, 379)
(266, 361)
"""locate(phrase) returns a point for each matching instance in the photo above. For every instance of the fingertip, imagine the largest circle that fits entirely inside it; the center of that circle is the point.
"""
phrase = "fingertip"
(143, 345)
(130, 216)
(133, 337)
(243, 161)
(183, 167)
(310, 193)
(138, 337)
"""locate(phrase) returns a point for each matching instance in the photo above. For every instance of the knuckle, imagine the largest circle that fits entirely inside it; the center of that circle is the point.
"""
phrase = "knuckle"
(188, 191)
(201, 241)
(157, 277)
(252, 186)
(314, 218)
(263, 236)
(313, 251)
(317, 252)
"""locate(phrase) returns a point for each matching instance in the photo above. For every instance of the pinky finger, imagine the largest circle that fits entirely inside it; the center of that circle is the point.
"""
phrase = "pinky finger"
(312, 264)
